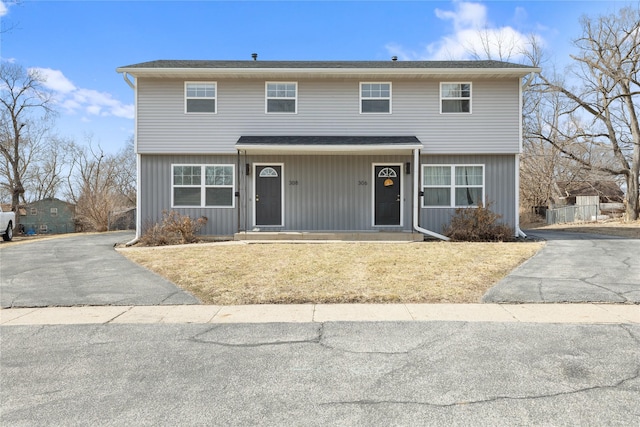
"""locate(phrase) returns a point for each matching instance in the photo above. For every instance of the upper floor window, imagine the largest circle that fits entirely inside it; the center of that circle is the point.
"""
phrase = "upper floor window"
(282, 97)
(203, 185)
(375, 97)
(53, 211)
(455, 97)
(33, 211)
(200, 97)
(452, 185)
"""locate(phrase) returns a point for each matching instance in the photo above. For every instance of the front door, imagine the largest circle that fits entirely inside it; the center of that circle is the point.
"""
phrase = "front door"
(268, 200)
(387, 194)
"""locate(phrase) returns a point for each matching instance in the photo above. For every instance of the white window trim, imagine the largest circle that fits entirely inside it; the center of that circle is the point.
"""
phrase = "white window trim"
(215, 98)
(380, 98)
(267, 98)
(470, 98)
(453, 186)
(203, 186)
(53, 211)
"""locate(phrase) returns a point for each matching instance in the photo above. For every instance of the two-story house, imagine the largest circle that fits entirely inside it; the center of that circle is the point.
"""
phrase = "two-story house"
(48, 215)
(326, 146)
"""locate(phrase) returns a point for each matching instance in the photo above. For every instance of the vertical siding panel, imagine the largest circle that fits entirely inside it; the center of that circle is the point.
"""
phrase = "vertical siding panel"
(155, 195)
(499, 189)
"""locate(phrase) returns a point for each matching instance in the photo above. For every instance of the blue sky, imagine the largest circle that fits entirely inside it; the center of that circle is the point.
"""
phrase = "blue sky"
(78, 45)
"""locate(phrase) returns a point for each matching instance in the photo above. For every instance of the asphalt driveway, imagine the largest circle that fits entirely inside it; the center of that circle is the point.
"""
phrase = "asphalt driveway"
(80, 270)
(86, 270)
(574, 267)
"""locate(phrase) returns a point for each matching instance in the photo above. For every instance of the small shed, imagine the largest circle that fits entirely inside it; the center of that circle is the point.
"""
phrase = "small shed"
(590, 192)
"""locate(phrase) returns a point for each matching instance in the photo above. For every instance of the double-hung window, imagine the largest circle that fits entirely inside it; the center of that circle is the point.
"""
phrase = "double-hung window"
(203, 186)
(453, 185)
(281, 97)
(375, 98)
(53, 211)
(455, 97)
(200, 97)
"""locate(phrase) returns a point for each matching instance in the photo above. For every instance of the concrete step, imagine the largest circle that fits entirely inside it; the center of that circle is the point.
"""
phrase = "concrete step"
(364, 236)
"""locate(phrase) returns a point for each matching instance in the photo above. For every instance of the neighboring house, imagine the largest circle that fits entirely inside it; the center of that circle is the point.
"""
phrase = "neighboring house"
(46, 216)
(326, 146)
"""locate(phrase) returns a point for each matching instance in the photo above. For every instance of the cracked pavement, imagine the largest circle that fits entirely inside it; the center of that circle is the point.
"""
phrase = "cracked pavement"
(574, 267)
(332, 373)
(80, 270)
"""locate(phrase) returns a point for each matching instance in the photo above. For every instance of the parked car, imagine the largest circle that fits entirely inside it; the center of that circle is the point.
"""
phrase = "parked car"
(7, 222)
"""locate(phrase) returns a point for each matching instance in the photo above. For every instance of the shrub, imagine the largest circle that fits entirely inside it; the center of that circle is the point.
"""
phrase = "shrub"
(174, 229)
(478, 225)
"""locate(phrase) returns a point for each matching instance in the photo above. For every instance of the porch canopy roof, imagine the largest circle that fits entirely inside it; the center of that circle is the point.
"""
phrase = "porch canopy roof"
(328, 144)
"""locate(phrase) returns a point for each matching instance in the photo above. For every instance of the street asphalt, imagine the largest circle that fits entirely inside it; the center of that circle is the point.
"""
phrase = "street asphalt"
(321, 374)
(80, 269)
(145, 357)
(574, 267)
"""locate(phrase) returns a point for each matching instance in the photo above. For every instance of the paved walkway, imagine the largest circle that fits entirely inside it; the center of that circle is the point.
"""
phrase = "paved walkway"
(305, 313)
(574, 267)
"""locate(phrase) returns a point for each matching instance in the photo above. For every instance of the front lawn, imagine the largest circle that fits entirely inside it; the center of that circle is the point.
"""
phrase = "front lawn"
(267, 273)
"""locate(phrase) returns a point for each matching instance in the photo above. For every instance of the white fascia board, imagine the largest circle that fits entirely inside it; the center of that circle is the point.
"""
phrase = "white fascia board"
(184, 72)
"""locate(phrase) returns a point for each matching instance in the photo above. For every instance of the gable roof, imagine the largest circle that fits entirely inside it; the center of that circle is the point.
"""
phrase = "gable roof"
(607, 189)
(175, 68)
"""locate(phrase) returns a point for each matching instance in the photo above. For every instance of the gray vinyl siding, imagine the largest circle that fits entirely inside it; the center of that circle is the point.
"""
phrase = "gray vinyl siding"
(328, 107)
(155, 193)
(321, 193)
(500, 189)
(332, 193)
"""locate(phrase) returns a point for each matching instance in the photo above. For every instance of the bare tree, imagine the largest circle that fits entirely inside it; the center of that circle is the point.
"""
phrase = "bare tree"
(596, 123)
(25, 109)
(50, 171)
(99, 185)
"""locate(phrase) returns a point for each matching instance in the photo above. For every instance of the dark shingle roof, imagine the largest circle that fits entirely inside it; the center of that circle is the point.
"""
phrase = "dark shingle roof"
(206, 64)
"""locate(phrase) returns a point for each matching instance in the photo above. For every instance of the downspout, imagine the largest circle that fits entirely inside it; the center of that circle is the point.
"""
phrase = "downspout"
(417, 199)
(519, 232)
(135, 240)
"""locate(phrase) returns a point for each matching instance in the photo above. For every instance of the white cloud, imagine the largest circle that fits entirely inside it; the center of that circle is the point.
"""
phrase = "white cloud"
(467, 15)
(54, 80)
(3, 9)
(76, 100)
(472, 36)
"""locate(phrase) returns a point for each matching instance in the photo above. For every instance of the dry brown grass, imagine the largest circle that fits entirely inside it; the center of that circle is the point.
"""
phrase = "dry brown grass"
(429, 272)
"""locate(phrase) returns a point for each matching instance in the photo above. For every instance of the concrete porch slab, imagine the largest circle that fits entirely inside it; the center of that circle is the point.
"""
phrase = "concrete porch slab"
(360, 236)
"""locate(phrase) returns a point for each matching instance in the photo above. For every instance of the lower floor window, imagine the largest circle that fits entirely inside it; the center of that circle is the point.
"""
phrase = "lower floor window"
(452, 185)
(203, 185)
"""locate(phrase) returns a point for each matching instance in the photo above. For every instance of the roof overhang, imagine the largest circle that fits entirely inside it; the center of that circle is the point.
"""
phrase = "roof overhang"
(297, 73)
(328, 144)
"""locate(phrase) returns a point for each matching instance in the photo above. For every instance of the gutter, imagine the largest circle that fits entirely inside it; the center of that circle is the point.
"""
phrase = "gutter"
(417, 198)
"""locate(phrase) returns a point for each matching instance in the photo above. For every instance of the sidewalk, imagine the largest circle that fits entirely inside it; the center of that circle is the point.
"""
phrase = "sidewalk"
(530, 313)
